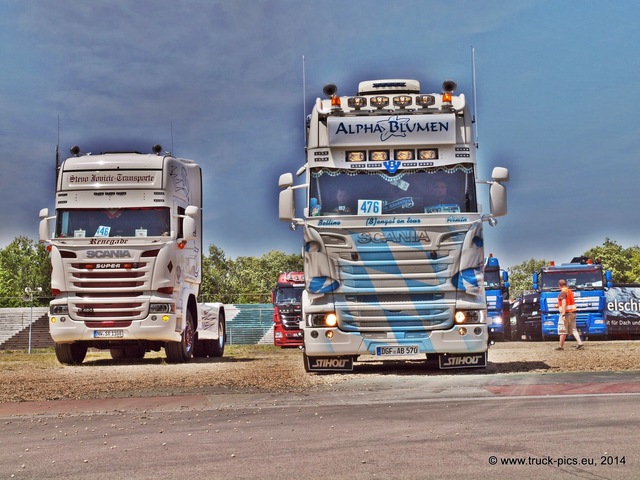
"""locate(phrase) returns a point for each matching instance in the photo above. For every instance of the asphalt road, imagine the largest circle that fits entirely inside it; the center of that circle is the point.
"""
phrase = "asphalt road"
(538, 426)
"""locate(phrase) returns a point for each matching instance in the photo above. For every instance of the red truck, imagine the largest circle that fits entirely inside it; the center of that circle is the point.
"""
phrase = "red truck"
(287, 309)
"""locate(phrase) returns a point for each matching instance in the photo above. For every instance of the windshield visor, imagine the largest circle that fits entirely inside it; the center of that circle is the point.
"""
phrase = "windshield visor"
(437, 190)
(117, 222)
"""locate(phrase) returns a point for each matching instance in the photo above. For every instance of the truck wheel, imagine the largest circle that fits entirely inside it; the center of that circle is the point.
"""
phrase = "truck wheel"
(71, 353)
(217, 346)
(178, 352)
(117, 353)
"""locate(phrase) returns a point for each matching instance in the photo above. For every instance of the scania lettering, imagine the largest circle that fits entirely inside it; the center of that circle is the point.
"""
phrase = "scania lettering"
(588, 281)
(392, 227)
(108, 254)
(141, 295)
(287, 309)
(496, 286)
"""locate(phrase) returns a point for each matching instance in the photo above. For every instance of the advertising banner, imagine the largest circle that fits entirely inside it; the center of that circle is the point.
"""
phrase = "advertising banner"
(623, 310)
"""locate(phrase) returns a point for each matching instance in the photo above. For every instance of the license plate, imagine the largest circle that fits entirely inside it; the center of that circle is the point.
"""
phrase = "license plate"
(108, 334)
(398, 350)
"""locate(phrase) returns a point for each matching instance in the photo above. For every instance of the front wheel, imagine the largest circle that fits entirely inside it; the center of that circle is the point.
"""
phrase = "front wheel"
(71, 353)
(179, 352)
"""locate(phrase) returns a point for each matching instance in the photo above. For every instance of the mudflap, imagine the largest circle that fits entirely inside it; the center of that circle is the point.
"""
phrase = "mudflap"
(328, 364)
(462, 360)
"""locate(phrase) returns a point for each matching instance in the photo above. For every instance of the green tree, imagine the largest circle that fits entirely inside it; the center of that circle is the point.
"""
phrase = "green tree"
(215, 277)
(245, 279)
(617, 259)
(24, 263)
(520, 276)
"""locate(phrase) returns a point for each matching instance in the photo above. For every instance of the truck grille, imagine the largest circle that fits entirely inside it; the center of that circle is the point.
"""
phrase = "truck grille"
(290, 322)
(392, 287)
(101, 292)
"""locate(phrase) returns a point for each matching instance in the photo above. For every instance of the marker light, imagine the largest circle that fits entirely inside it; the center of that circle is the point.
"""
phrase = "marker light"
(404, 154)
(358, 156)
(446, 97)
(428, 154)
(335, 101)
(379, 155)
(182, 244)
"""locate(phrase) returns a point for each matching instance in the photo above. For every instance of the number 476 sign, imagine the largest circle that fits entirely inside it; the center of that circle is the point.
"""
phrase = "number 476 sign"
(369, 207)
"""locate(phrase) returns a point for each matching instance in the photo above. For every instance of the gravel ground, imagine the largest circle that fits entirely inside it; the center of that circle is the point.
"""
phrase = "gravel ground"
(247, 369)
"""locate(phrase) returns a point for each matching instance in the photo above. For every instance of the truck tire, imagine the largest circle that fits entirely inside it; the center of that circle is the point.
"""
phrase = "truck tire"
(180, 352)
(117, 353)
(215, 348)
(71, 353)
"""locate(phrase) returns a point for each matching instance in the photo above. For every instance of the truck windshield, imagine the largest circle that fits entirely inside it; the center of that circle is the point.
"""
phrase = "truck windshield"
(114, 222)
(286, 295)
(431, 190)
(575, 279)
(491, 279)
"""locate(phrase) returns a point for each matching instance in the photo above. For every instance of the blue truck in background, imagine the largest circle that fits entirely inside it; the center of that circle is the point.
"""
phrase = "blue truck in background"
(588, 282)
(496, 287)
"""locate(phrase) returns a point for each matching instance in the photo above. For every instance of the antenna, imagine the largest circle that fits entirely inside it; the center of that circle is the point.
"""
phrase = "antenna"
(171, 128)
(304, 101)
(58, 150)
(475, 105)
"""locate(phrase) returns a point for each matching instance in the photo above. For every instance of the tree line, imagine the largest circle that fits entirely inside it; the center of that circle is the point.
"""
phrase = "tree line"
(25, 263)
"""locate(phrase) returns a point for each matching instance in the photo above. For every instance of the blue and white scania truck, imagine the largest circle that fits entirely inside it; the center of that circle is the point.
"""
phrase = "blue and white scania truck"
(393, 229)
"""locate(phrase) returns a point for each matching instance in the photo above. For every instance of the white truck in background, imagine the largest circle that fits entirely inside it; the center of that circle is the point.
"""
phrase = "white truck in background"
(126, 255)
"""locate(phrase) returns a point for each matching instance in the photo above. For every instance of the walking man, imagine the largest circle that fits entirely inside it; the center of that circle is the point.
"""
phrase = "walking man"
(567, 320)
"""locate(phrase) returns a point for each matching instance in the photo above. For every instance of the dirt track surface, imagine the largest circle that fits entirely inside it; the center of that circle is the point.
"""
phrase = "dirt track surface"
(251, 369)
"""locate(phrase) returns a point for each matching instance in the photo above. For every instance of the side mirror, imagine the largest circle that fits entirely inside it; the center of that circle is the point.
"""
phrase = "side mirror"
(535, 281)
(44, 230)
(498, 199)
(189, 223)
(285, 180)
(287, 205)
(287, 199)
(500, 174)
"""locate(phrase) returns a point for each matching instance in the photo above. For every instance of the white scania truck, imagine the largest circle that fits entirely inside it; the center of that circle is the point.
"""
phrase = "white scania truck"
(393, 230)
(126, 253)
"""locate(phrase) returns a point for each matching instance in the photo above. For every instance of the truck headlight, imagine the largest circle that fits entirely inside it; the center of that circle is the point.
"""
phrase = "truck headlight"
(329, 319)
(59, 309)
(162, 308)
(470, 316)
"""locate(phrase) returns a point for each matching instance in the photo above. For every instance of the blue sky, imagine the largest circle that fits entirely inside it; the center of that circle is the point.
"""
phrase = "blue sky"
(221, 82)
